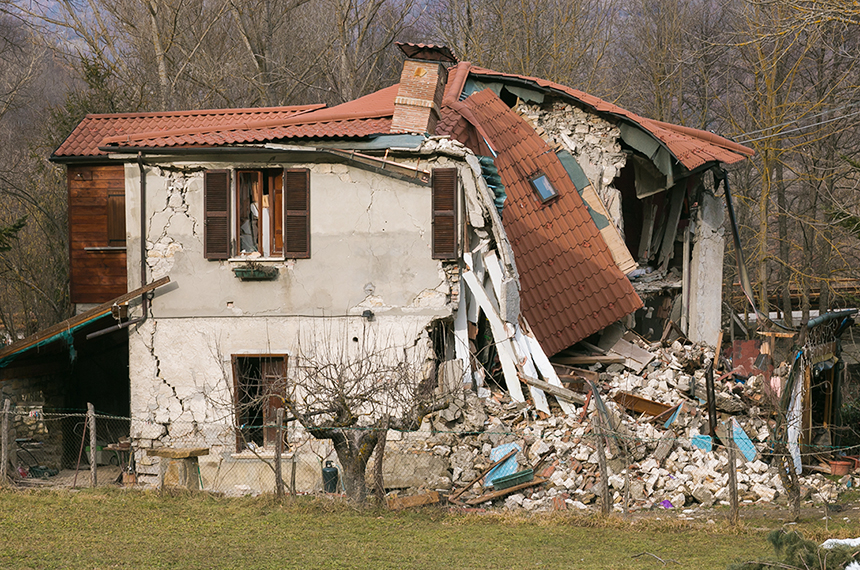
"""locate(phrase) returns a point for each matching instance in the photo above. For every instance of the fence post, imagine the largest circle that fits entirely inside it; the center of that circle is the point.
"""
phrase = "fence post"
(733, 478)
(293, 474)
(4, 444)
(279, 449)
(601, 464)
(91, 419)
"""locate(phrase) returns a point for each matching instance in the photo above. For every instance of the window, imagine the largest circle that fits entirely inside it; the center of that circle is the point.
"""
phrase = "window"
(543, 186)
(444, 188)
(260, 384)
(272, 217)
(116, 219)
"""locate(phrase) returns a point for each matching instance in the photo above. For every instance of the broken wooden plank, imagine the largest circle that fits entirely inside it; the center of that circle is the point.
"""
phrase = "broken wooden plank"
(640, 405)
(564, 372)
(564, 393)
(483, 473)
(503, 492)
(544, 366)
(72, 322)
(413, 501)
(585, 360)
(528, 368)
(500, 336)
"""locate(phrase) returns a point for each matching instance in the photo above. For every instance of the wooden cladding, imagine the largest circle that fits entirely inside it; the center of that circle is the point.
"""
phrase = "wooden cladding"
(97, 238)
(216, 208)
(297, 213)
(444, 183)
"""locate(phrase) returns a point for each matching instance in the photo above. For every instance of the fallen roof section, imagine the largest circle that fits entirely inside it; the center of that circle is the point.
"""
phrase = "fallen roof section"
(571, 286)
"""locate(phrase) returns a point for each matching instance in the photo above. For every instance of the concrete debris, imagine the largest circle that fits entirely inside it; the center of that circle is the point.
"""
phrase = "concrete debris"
(649, 466)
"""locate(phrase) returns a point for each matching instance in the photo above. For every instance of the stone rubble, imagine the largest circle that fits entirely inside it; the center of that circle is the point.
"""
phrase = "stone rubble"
(661, 469)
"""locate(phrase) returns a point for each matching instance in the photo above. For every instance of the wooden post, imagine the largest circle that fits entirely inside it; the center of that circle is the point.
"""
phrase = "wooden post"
(733, 479)
(91, 419)
(601, 464)
(4, 444)
(293, 475)
(279, 450)
(712, 401)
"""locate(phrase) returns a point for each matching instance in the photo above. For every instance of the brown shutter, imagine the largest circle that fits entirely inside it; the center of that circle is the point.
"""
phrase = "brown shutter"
(216, 205)
(444, 213)
(276, 185)
(116, 220)
(297, 210)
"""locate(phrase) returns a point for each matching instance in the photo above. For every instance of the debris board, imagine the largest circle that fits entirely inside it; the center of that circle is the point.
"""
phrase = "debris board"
(556, 391)
(497, 494)
(413, 501)
(635, 358)
(640, 405)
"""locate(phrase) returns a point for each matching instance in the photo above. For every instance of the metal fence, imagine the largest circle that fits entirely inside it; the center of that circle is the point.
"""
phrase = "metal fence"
(538, 463)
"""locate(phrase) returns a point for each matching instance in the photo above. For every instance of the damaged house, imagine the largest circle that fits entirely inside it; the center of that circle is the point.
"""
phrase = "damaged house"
(490, 219)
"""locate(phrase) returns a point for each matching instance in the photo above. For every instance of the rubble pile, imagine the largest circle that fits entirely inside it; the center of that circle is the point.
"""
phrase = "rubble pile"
(650, 464)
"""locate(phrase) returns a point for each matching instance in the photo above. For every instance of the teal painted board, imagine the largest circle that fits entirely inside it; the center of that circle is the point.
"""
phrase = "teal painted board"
(703, 442)
(742, 441)
(509, 467)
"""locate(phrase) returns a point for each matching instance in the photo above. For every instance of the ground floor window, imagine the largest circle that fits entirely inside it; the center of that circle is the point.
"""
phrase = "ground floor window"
(259, 383)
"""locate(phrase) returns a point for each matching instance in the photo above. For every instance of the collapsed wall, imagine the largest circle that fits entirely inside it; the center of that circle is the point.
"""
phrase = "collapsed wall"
(649, 464)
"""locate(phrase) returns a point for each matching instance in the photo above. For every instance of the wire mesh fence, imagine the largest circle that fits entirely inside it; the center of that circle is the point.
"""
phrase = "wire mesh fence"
(586, 463)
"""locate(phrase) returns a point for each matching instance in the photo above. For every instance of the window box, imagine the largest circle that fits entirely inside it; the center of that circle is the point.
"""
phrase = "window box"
(256, 273)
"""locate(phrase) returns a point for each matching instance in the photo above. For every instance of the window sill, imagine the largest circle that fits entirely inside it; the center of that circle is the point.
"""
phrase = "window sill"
(106, 248)
(248, 258)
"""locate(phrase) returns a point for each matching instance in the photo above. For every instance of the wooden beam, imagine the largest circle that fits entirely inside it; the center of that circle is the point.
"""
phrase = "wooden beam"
(483, 473)
(72, 322)
(497, 494)
(563, 393)
(585, 360)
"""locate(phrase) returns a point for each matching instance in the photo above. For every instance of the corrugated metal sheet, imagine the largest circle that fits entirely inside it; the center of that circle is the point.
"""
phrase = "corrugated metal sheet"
(571, 287)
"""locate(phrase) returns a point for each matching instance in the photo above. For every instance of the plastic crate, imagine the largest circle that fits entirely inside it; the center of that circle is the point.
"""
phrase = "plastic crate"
(513, 479)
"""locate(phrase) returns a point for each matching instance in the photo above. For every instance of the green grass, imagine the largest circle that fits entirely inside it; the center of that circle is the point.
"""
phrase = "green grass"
(111, 528)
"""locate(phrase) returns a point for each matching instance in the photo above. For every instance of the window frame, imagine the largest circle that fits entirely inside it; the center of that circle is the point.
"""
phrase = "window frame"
(537, 176)
(267, 409)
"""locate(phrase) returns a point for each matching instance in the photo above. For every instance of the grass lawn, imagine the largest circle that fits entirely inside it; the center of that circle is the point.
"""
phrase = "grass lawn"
(112, 528)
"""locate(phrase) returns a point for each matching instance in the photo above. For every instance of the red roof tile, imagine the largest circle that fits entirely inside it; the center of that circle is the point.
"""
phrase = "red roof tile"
(88, 135)
(571, 285)
(692, 147)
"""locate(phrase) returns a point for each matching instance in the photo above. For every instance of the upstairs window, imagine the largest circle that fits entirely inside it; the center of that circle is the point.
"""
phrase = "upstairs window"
(272, 219)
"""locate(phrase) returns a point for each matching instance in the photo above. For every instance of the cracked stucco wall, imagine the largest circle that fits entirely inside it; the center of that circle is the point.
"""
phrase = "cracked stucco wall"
(370, 249)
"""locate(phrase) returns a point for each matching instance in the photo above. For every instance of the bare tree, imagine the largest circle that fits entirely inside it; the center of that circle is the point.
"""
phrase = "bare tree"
(352, 392)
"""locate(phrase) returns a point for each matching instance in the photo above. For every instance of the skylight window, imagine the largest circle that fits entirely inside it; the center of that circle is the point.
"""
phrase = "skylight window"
(543, 186)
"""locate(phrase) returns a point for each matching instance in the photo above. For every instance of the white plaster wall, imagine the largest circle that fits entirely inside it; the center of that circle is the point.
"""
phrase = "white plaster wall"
(706, 271)
(370, 247)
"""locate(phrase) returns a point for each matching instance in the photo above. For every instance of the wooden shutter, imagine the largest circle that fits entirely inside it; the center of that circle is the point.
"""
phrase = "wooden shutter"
(444, 238)
(116, 220)
(276, 191)
(297, 213)
(216, 206)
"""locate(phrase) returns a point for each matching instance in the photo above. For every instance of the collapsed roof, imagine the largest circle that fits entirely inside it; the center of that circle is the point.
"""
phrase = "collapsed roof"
(571, 285)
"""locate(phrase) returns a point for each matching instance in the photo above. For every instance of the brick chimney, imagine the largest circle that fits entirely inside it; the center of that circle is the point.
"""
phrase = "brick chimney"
(422, 85)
